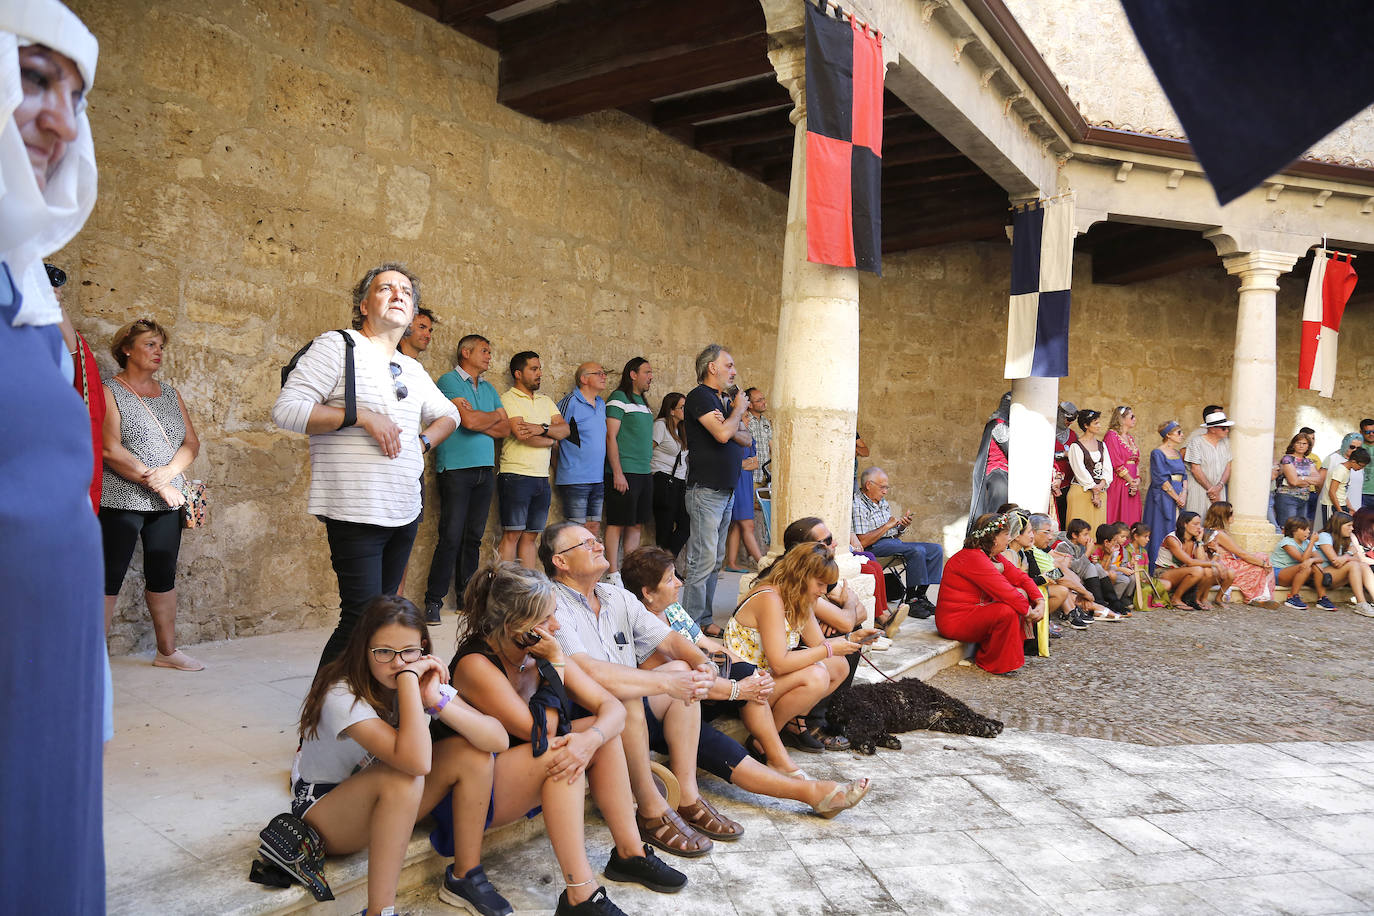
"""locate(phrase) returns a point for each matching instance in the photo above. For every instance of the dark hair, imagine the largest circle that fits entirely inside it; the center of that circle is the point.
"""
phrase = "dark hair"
(1086, 416)
(1210, 408)
(1007, 507)
(124, 337)
(627, 385)
(519, 360)
(1366, 422)
(351, 665)
(749, 392)
(984, 542)
(1218, 515)
(1075, 526)
(800, 531)
(1294, 441)
(1360, 456)
(503, 597)
(1139, 528)
(364, 286)
(467, 341)
(1105, 533)
(421, 312)
(546, 541)
(665, 413)
(643, 568)
(1307, 430)
(1364, 527)
(1333, 528)
(1294, 524)
(1184, 519)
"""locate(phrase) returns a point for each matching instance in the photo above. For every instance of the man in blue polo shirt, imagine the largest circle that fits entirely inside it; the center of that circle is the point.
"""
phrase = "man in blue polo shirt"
(579, 470)
(465, 467)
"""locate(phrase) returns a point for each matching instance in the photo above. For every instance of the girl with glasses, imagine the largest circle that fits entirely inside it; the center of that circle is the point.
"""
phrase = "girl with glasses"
(367, 767)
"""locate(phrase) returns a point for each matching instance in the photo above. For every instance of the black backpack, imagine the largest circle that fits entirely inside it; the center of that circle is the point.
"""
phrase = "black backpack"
(350, 385)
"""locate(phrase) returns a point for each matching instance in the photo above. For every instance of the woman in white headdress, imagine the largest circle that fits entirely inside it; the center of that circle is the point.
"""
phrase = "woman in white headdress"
(52, 656)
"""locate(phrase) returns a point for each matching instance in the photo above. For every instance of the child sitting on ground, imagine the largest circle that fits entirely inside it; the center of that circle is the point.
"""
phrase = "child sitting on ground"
(1108, 554)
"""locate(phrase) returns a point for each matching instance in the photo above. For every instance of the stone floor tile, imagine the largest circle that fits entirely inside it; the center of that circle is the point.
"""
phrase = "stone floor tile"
(1158, 868)
(940, 757)
(1138, 835)
(828, 851)
(1362, 773)
(1347, 834)
(936, 803)
(1077, 843)
(1303, 796)
(1246, 842)
(853, 889)
(1046, 871)
(1130, 806)
(1040, 811)
(1164, 900)
(970, 887)
(1004, 787)
(1140, 761)
(1297, 894)
(777, 883)
(903, 849)
(1202, 791)
(1255, 761)
(135, 852)
(1357, 882)
(1326, 752)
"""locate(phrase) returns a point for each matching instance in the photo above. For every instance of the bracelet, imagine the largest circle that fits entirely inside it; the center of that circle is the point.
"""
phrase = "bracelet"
(734, 689)
(446, 693)
(594, 728)
(829, 651)
(408, 671)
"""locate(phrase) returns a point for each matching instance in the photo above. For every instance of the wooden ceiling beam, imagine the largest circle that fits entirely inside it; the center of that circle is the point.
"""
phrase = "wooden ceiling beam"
(974, 229)
(769, 126)
(759, 94)
(581, 56)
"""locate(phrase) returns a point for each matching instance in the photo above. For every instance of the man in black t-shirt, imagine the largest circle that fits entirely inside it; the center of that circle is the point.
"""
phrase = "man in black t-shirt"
(717, 434)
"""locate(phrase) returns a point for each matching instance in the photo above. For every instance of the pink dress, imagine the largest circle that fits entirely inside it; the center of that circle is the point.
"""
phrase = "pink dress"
(1121, 505)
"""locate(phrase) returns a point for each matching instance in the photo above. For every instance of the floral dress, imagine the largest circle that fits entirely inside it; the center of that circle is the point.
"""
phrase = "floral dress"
(745, 642)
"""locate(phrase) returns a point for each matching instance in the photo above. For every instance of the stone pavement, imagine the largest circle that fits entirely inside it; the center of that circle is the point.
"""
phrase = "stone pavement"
(1027, 822)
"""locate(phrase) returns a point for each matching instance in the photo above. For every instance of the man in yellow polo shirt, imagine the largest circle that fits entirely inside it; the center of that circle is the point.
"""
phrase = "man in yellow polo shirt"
(522, 486)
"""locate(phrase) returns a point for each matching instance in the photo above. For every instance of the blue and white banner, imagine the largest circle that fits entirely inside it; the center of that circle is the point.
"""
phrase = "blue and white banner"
(1041, 274)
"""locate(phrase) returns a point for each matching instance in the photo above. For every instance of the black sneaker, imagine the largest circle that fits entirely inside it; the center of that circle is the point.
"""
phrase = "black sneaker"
(648, 870)
(432, 609)
(474, 893)
(921, 608)
(1076, 620)
(597, 904)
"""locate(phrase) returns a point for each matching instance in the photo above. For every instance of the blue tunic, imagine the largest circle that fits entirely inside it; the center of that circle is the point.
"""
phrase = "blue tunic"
(1161, 512)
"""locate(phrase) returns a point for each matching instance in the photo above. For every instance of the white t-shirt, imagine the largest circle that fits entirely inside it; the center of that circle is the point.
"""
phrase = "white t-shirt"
(666, 451)
(331, 756)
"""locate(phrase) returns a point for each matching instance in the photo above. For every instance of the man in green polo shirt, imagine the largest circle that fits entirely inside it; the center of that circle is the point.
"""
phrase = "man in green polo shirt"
(465, 468)
(629, 445)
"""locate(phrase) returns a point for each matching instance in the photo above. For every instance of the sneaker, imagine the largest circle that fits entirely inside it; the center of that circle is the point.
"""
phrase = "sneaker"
(597, 904)
(432, 609)
(1364, 609)
(648, 870)
(1325, 604)
(474, 893)
(1076, 620)
(880, 644)
(1295, 603)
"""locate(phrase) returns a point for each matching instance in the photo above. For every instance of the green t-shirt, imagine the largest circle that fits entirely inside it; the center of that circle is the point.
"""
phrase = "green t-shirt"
(635, 439)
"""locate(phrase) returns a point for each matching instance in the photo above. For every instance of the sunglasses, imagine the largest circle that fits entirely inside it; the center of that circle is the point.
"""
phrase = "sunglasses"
(401, 390)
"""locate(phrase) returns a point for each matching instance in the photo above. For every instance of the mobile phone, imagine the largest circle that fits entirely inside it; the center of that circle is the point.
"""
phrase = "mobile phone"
(527, 639)
(864, 640)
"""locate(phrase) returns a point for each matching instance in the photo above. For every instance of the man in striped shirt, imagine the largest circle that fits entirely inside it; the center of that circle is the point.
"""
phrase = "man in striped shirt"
(365, 477)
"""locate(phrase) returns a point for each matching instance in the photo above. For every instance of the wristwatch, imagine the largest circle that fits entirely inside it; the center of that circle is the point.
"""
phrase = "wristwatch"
(546, 428)
(425, 443)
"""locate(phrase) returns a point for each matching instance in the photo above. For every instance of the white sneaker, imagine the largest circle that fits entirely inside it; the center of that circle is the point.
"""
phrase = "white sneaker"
(1364, 609)
(882, 643)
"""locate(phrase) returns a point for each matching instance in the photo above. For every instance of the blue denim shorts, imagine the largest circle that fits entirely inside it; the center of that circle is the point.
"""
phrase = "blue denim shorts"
(582, 501)
(524, 501)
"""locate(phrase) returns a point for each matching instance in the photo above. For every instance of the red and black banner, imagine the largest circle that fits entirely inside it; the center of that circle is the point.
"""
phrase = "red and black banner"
(844, 141)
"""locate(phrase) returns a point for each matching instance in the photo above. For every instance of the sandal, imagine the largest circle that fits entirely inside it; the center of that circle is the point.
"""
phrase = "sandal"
(178, 660)
(755, 750)
(671, 834)
(828, 741)
(845, 795)
(1109, 616)
(894, 620)
(796, 735)
(706, 819)
(713, 631)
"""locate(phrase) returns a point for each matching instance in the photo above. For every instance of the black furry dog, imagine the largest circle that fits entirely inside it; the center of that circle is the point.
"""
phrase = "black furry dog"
(870, 714)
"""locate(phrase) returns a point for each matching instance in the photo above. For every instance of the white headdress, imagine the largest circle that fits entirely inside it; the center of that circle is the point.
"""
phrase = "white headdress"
(34, 223)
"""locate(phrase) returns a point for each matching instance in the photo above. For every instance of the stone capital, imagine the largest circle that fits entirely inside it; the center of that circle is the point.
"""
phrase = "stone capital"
(1259, 270)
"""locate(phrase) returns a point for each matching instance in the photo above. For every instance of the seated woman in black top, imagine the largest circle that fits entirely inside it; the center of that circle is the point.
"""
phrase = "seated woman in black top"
(510, 667)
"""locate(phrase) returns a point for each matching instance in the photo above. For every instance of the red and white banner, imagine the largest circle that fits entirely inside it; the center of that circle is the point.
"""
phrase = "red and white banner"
(1328, 289)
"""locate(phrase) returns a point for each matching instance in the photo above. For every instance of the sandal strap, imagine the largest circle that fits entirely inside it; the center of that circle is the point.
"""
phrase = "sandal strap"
(671, 832)
(705, 818)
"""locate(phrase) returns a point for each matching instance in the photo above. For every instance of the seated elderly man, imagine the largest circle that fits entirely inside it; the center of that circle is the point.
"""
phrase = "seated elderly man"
(879, 533)
(610, 632)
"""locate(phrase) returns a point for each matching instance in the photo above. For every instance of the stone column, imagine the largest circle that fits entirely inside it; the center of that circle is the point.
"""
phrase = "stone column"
(1034, 410)
(1252, 400)
(815, 391)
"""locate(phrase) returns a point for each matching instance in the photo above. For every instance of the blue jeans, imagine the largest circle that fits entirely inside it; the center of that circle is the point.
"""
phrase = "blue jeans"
(1286, 507)
(464, 501)
(582, 501)
(524, 501)
(369, 560)
(709, 514)
(924, 561)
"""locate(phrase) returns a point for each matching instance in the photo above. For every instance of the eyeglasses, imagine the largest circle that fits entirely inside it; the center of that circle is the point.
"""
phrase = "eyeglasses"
(828, 540)
(588, 543)
(401, 390)
(384, 654)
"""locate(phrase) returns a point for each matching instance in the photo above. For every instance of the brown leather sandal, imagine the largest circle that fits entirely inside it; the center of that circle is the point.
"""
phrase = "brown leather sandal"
(706, 819)
(671, 834)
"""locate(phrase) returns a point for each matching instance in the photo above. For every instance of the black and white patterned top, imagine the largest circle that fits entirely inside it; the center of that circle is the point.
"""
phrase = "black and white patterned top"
(141, 436)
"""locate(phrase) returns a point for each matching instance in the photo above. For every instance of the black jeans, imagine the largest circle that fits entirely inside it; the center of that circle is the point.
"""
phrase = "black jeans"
(369, 560)
(464, 501)
(672, 525)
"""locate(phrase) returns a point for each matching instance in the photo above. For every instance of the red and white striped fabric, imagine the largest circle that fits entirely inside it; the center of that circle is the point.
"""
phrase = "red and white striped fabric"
(1328, 289)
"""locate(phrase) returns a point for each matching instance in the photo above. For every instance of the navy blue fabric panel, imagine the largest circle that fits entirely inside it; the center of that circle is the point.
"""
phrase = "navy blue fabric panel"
(51, 668)
(1256, 82)
(1027, 226)
(1051, 358)
(866, 181)
(829, 75)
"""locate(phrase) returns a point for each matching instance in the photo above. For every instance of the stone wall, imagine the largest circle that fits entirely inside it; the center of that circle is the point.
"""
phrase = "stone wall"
(1090, 47)
(256, 158)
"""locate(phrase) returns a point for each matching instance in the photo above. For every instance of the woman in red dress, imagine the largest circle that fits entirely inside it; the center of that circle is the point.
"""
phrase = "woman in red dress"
(983, 601)
(1123, 494)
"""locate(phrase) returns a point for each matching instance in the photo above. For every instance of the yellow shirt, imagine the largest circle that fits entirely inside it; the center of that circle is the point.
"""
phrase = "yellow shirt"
(516, 456)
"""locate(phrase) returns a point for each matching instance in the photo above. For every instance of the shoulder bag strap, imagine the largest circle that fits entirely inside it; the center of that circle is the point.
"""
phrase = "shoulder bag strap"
(140, 400)
(350, 384)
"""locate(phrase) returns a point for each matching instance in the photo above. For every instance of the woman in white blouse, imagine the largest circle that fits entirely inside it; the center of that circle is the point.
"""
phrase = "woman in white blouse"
(669, 467)
(1092, 471)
